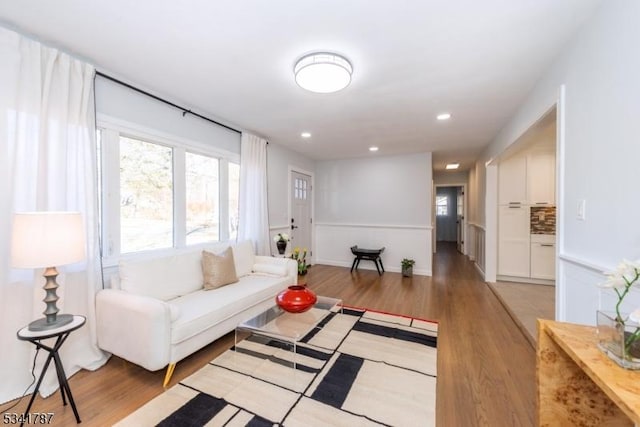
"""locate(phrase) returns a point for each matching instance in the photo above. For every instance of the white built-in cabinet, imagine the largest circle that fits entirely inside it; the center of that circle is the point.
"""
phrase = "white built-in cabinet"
(528, 179)
(514, 241)
(541, 178)
(524, 181)
(543, 257)
(512, 181)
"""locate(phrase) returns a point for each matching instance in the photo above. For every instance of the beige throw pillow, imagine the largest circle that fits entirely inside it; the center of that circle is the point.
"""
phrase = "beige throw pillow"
(218, 270)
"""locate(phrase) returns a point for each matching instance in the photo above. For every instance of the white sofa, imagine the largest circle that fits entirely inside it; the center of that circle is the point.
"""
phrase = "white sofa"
(156, 312)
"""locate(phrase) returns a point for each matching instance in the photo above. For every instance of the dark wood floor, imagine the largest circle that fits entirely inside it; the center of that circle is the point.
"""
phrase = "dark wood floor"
(486, 367)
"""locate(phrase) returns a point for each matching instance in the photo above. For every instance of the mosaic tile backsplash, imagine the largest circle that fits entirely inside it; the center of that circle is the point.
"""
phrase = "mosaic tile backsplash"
(543, 220)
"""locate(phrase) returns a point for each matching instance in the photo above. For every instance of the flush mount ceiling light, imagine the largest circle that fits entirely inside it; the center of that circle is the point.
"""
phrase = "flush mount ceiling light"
(452, 166)
(323, 72)
(306, 134)
(374, 148)
(443, 116)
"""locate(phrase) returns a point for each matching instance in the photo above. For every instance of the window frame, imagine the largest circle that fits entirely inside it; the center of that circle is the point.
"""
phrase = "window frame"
(111, 129)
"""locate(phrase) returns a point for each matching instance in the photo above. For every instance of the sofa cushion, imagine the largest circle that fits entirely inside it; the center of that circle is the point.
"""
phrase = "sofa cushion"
(204, 309)
(218, 270)
(279, 270)
(164, 278)
(243, 256)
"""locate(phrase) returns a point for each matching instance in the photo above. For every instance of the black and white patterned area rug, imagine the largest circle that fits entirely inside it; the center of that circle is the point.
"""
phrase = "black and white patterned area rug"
(357, 368)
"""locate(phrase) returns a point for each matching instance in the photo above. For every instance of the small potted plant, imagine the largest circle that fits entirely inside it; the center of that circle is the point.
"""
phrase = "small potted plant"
(407, 267)
(281, 240)
(301, 258)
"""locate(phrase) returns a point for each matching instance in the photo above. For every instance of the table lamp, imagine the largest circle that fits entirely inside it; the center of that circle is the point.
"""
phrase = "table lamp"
(46, 240)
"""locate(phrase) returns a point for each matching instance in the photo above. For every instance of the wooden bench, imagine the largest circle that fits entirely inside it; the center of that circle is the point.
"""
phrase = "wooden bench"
(368, 255)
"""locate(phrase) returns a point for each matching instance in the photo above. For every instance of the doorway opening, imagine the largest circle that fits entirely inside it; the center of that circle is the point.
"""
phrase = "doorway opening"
(527, 230)
(450, 226)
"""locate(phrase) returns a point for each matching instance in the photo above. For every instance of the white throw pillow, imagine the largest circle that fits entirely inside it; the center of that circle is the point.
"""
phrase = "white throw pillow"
(243, 257)
(164, 278)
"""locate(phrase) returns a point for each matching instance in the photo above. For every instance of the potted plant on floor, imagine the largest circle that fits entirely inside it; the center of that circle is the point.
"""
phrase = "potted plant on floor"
(301, 258)
(407, 267)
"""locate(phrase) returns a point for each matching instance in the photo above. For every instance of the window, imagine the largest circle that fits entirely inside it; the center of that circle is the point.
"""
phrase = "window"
(202, 190)
(442, 205)
(300, 189)
(146, 196)
(160, 194)
(234, 196)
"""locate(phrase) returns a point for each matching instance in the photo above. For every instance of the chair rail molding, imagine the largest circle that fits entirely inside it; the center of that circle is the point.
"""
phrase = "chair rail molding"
(354, 225)
(579, 278)
(573, 259)
(278, 227)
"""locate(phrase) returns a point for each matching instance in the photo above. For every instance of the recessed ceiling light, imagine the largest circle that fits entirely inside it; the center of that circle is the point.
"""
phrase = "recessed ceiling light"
(374, 148)
(443, 116)
(452, 166)
(323, 72)
(305, 134)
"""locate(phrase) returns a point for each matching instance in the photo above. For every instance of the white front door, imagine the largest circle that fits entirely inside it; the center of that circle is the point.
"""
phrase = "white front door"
(301, 212)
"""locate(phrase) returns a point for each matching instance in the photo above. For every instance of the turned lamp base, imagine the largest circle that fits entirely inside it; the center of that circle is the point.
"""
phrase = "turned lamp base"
(51, 320)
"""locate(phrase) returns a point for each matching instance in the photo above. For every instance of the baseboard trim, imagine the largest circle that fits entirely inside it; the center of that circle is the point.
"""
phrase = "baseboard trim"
(475, 264)
(501, 278)
(364, 266)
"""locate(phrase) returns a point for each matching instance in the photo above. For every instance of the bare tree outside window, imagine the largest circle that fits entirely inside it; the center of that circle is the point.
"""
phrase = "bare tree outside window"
(202, 195)
(146, 196)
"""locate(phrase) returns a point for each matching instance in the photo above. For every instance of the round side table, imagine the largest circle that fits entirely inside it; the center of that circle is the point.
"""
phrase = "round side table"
(61, 334)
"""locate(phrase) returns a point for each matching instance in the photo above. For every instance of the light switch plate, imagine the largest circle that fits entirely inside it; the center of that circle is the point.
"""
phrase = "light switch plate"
(582, 205)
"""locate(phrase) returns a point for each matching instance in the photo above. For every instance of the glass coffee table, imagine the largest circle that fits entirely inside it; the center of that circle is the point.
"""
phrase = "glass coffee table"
(289, 328)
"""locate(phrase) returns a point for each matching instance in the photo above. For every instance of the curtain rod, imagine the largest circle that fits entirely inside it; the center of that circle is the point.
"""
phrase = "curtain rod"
(157, 98)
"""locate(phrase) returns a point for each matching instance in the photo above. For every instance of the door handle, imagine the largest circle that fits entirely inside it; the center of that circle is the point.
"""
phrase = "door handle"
(293, 227)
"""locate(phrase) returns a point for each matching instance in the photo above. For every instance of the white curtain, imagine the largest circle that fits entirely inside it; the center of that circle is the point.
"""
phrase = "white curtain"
(47, 163)
(254, 215)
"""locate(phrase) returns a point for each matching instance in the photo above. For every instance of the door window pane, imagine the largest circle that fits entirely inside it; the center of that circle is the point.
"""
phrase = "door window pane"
(442, 205)
(234, 195)
(146, 196)
(202, 197)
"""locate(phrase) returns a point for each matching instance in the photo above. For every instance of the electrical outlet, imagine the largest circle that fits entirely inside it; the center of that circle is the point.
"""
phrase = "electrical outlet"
(582, 206)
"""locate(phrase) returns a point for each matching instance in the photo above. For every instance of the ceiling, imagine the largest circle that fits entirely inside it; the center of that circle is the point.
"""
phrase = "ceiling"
(412, 59)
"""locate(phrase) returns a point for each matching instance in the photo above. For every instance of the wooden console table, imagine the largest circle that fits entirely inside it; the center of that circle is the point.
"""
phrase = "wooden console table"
(578, 384)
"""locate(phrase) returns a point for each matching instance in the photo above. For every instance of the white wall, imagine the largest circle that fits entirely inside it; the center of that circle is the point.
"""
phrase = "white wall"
(280, 161)
(374, 202)
(598, 153)
(116, 101)
(450, 177)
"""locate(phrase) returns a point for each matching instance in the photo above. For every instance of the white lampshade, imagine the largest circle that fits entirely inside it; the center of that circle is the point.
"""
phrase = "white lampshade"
(323, 72)
(47, 239)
